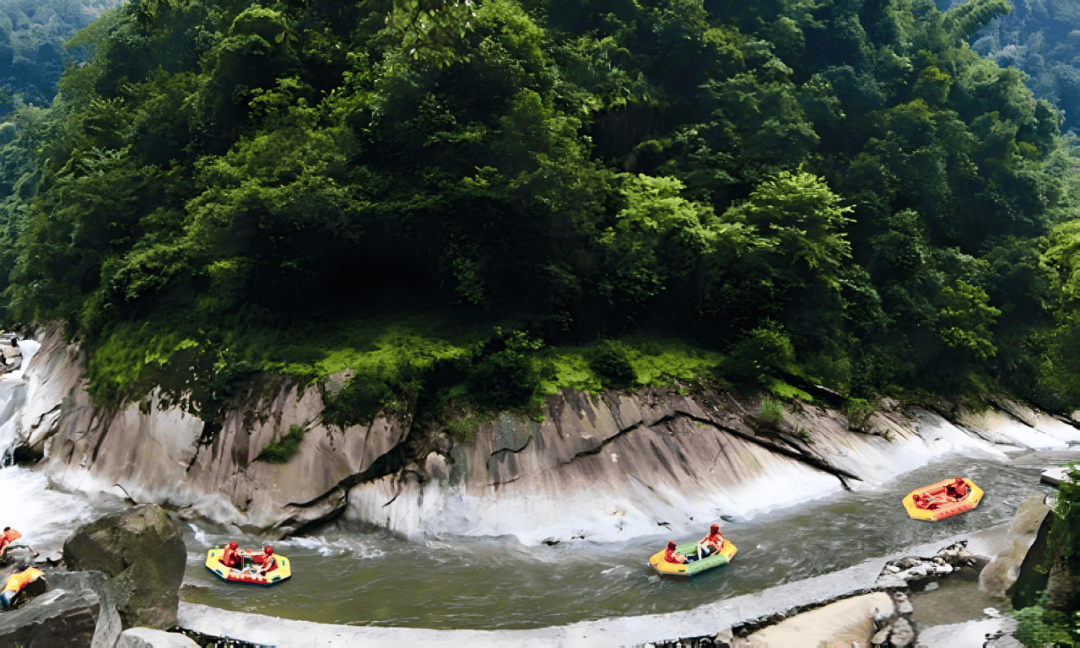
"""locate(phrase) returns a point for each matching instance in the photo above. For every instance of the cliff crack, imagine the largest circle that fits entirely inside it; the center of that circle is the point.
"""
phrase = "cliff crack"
(799, 455)
(501, 451)
(623, 432)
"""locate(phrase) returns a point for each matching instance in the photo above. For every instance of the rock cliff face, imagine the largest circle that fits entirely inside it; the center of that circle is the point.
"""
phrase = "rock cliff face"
(156, 454)
(609, 466)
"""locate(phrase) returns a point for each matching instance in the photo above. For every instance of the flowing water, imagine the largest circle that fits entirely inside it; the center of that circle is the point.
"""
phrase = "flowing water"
(345, 576)
(44, 516)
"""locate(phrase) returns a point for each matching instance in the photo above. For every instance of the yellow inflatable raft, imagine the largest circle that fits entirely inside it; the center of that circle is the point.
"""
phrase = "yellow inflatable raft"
(281, 571)
(695, 566)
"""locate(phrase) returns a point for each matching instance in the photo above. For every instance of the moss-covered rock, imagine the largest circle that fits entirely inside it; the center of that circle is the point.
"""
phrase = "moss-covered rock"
(142, 553)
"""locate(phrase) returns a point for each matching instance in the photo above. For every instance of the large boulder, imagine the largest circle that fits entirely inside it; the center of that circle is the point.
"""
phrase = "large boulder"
(76, 611)
(142, 553)
(847, 622)
(998, 576)
(150, 638)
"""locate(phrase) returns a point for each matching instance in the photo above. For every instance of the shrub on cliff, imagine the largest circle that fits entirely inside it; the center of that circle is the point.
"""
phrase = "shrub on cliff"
(610, 361)
(283, 450)
(504, 372)
(762, 352)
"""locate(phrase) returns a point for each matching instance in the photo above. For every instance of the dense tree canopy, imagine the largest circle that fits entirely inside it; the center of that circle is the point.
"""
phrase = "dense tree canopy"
(847, 181)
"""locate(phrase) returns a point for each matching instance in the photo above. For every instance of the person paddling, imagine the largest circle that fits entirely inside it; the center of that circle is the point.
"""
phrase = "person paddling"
(231, 557)
(957, 490)
(268, 562)
(672, 556)
(7, 537)
(711, 543)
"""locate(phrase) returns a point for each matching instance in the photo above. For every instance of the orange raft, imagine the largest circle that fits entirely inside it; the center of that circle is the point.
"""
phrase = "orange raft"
(947, 508)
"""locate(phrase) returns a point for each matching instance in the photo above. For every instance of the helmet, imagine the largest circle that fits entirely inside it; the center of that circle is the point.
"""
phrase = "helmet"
(232, 545)
(715, 527)
(269, 550)
(671, 544)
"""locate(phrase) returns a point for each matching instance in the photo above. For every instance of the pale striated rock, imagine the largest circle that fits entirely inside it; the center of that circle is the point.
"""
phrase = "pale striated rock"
(604, 467)
(840, 623)
(154, 452)
(1004, 569)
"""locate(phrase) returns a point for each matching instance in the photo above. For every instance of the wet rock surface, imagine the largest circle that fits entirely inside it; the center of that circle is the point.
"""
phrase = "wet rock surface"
(142, 553)
(150, 638)
(917, 572)
(75, 611)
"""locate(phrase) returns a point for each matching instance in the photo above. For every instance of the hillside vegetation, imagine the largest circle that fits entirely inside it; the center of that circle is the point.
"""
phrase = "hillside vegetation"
(841, 193)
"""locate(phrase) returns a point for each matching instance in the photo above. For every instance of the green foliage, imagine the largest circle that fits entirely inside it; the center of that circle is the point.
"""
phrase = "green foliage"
(965, 319)
(762, 352)
(379, 388)
(1036, 627)
(1063, 541)
(609, 360)
(843, 190)
(283, 450)
(771, 410)
(464, 429)
(503, 372)
(799, 219)
(858, 412)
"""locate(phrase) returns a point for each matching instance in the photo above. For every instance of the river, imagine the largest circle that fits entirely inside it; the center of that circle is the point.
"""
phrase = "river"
(345, 576)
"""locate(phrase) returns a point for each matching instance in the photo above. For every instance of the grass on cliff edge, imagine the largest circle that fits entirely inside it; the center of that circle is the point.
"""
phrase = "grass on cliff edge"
(387, 350)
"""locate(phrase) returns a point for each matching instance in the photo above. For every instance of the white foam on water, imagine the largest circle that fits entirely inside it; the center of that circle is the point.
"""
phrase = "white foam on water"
(46, 518)
(28, 348)
(200, 535)
(356, 546)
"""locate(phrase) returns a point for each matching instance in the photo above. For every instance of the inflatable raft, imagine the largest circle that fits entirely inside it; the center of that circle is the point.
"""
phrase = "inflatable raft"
(693, 565)
(947, 508)
(280, 572)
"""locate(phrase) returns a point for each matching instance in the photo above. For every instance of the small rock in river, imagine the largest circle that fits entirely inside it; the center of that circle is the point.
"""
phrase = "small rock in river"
(902, 633)
(881, 637)
(930, 587)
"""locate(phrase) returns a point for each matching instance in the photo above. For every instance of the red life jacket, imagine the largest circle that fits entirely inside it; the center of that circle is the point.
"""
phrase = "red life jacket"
(269, 561)
(669, 556)
(717, 537)
(9, 536)
(230, 558)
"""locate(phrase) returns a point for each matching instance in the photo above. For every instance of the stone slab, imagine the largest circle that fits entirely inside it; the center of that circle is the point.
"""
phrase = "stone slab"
(151, 638)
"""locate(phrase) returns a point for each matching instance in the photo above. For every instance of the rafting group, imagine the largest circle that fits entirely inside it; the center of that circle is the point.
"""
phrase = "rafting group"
(248, 566)
(932, 502)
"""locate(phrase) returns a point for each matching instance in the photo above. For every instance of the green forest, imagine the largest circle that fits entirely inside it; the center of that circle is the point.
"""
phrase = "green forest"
(474, 204)
(565, 194)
